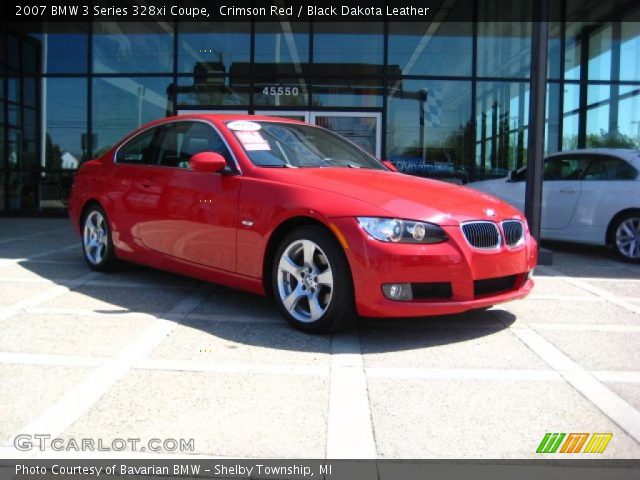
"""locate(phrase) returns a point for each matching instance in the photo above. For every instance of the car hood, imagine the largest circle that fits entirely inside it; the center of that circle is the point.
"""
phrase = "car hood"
(398, 195)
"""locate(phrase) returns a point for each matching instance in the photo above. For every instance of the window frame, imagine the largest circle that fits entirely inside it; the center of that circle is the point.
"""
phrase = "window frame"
(153, 144)
(158, 137)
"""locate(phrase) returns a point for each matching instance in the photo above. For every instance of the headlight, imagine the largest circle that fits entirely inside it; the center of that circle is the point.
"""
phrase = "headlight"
(402, 231)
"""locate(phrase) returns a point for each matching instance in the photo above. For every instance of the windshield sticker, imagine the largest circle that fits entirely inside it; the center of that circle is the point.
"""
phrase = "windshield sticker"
(242, 125)
(252, 140)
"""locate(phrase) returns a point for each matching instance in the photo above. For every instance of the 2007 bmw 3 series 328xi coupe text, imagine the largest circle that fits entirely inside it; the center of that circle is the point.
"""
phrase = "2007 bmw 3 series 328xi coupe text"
(281, 208)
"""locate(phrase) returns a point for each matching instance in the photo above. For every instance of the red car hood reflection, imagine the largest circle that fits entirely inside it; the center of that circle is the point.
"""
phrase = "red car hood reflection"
(398, 195)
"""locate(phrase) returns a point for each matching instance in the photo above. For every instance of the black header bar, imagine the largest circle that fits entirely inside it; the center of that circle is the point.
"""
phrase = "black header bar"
(311, 10)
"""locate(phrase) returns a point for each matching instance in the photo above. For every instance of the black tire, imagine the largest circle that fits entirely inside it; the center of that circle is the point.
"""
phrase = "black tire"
(633, 220)
(108, 260)
(339, 311)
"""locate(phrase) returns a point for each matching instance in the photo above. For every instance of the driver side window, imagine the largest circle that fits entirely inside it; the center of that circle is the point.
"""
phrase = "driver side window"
(565, 168)
(182, 140)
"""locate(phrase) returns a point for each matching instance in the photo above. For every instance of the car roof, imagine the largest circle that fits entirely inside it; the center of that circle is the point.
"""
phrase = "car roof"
(624, 153)
(225, 117)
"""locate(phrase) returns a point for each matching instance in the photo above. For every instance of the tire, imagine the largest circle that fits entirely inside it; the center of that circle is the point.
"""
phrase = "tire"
(312, 282)
(97, 243)
(626, 237)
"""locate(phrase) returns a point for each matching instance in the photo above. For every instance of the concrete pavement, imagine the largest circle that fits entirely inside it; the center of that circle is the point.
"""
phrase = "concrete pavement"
(146, 354)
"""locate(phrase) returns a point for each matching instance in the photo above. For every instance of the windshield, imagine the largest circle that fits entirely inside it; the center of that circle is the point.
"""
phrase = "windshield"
(274, 144)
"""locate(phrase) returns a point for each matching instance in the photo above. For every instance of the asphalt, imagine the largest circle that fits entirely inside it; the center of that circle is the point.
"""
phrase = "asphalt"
(142, 354)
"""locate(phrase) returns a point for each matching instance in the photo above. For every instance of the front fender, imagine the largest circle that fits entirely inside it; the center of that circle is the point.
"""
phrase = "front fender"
(264, 205)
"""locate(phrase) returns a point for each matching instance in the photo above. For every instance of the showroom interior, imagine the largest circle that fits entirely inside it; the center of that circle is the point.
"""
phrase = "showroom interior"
(447, 99)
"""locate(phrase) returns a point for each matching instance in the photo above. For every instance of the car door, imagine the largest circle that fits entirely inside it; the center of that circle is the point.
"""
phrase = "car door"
(134, 194)
(561, 189)
(608, 187)
(195, 218)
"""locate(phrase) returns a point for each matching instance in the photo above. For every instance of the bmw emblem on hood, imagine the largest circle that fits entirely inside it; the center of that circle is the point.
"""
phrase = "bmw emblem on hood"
(489, 212)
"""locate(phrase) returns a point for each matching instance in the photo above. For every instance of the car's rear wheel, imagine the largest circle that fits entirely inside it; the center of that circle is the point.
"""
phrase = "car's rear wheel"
(97, 243)
(312, 282)
(626, 240)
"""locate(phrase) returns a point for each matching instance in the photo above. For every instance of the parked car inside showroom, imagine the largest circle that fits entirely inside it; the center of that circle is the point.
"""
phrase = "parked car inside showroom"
(590, 196)
(281, 208)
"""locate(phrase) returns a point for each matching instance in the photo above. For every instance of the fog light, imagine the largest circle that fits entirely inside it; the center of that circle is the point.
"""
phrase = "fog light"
(397, 291)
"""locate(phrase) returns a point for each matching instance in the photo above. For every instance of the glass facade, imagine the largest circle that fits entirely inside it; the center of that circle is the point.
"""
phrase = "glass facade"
(443, 99)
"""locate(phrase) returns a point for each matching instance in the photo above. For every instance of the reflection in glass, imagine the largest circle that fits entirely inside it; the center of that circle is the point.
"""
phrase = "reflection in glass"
(629, 113)
(55, 188)
(214, 91)
(212, 48)
(504, 38)
(597, 125)
(66, 125)
(553, 50)
(352, 92)
(570, 132)
(281, 64)
(359, 44)
(14, 53)
(2, 191)
(573, 42)
(570, 121)
(501, 126)
(23, 190)
(630, 51)
(436, 48)
(612, 118)
(128, 47)
(282, 43)
(600, 44)
(61, 46)
(429, 129)
(121, 105)
(504, 49)
(552, 120)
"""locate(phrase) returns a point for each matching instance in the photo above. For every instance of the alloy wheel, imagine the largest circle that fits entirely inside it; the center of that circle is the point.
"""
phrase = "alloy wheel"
(305, 280)
(628, 238)
(95, 238)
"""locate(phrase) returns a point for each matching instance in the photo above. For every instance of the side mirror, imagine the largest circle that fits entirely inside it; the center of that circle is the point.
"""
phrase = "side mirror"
(207, 162)
(512, 176)
(389, 165)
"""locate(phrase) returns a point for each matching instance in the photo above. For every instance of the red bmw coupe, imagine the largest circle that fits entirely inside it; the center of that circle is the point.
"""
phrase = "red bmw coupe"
(281, 208)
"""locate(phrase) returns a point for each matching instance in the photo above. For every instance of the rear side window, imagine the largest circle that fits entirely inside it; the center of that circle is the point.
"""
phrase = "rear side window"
(565, 168)
(182, 140)
(610, 168)
(138, 150)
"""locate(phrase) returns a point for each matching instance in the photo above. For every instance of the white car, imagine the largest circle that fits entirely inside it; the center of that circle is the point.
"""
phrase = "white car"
(589, 196)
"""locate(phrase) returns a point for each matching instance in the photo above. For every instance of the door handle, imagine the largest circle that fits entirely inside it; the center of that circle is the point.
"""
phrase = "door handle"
(568, 190)
(146, 183)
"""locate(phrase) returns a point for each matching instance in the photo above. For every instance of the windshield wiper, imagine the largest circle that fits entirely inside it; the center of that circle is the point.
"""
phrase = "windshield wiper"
(281, 165)
(337, 165)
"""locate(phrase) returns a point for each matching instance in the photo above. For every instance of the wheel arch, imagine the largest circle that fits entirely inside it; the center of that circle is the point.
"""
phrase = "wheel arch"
(279, 233)
(85, 207)
(622, 213)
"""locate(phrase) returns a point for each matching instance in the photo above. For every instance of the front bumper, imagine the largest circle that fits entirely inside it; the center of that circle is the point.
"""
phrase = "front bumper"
(374, 263)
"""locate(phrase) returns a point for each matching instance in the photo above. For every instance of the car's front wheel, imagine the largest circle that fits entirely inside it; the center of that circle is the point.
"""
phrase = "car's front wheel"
(626, 240)
(312, 282)
(97, 243)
